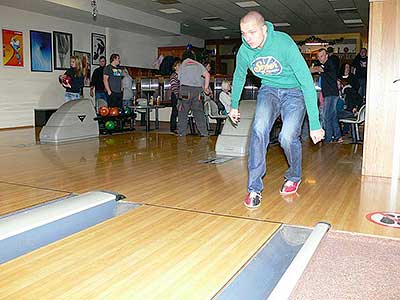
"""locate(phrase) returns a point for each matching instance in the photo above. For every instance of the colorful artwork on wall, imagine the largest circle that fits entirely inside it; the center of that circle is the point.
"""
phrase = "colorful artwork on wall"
(62, 48)
(41, 52)
(13, 48)
(98, 47)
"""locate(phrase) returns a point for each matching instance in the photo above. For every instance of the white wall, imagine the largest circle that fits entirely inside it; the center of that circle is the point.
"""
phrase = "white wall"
(23, 90)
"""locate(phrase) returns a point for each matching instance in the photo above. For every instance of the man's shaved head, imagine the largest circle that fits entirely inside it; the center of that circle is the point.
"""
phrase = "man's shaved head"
(253, 29)
(253, 16)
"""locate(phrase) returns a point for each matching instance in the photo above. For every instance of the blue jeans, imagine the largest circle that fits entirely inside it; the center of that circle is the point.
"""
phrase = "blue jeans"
(71, 96)
(98, 96)
(363, 87)
(272, 102)
(331, 122)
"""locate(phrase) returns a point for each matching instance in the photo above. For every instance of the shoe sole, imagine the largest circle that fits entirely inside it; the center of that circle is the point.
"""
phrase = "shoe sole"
(289, 193)
(251, 207)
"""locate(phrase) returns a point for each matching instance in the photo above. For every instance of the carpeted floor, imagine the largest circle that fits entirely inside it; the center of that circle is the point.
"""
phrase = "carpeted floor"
(352, 266)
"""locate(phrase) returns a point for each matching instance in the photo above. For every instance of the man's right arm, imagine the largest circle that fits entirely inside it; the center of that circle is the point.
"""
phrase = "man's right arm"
(106, 74)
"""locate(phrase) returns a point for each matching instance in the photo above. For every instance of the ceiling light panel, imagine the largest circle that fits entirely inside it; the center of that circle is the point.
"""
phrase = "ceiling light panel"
(167, 2)
(170, 11)
(345, 9)
(212, 19)
(247, 4)
(352, 21)
(281, 24)
(218, 28)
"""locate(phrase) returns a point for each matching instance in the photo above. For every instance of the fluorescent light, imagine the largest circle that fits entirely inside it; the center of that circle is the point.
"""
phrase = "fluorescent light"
(218, 28)
(355, 25)
(281, 24)
(212, 19)
(353, 21)
(345, 9)
(247, 4)
(170, 10)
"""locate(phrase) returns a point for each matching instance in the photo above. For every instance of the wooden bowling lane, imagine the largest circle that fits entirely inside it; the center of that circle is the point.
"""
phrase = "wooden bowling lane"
(163, 170)
(148, 253)
(15, 197)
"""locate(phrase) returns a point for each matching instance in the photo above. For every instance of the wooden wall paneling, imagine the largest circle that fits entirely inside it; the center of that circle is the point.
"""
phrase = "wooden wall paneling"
(382, 97)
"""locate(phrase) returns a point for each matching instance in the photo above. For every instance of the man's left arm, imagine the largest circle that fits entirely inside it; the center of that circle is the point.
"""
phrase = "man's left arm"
(304, 77)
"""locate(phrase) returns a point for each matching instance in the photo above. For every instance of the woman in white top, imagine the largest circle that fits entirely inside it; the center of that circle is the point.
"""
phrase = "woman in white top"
(126, 85)
(225, 96)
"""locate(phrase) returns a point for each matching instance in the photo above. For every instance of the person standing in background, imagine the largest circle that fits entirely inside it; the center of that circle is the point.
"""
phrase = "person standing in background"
(360, 64)
(175, 84)
(112, 78)
(127, 93)
(335, 59)
(192, 85)
(73, 80)
(97, 83)
(330, 91)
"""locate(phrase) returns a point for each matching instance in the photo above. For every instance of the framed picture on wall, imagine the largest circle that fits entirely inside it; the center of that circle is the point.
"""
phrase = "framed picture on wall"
(85, 60)
(13, 48)
(62, 48)
(40, 48)
(98, 47)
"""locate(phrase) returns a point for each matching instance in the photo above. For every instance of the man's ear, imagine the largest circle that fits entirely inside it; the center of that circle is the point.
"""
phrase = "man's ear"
(265, 28)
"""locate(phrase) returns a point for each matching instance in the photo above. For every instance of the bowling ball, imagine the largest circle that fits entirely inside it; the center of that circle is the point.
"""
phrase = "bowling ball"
(110, 125)
(66, 80)
(114, 111)
(127, 111)
(104, 111)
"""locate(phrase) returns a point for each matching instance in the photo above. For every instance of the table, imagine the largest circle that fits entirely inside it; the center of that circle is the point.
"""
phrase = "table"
(147, 109)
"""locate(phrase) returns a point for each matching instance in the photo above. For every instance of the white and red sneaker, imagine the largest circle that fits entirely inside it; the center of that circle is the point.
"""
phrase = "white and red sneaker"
(289, 187)
(253, 200)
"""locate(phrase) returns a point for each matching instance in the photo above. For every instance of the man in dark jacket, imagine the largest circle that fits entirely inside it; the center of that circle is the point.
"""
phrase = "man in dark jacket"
(97, 83)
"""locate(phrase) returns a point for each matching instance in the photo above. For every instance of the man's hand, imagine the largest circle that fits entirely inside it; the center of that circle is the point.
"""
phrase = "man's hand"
(91, 92)
(317, 135)
(109, 93)
(234, 114)
(316, 69)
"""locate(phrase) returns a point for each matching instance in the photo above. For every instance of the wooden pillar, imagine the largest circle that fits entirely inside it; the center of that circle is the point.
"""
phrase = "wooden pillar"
(381, 155)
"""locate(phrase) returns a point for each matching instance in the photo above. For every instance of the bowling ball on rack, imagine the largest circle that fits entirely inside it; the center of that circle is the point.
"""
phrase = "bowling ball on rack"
(104, 111)
(114, 112)
(110, 125)
(127, 111)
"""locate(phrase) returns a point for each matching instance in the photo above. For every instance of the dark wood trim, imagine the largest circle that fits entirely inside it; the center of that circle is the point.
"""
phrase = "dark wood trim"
(16, 128)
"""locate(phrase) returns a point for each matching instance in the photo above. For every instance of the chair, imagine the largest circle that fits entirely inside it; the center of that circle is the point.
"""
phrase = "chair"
(354, 123)
(211, 111)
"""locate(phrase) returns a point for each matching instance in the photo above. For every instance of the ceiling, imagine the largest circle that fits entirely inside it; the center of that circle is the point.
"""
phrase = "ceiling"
(308, 17)
(304, 16)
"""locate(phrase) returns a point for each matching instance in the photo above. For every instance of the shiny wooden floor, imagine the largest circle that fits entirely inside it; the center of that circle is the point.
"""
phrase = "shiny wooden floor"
(192, 233)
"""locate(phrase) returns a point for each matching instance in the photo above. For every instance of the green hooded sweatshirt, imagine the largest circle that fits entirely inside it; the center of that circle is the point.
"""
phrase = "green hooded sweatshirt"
(279, 64)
